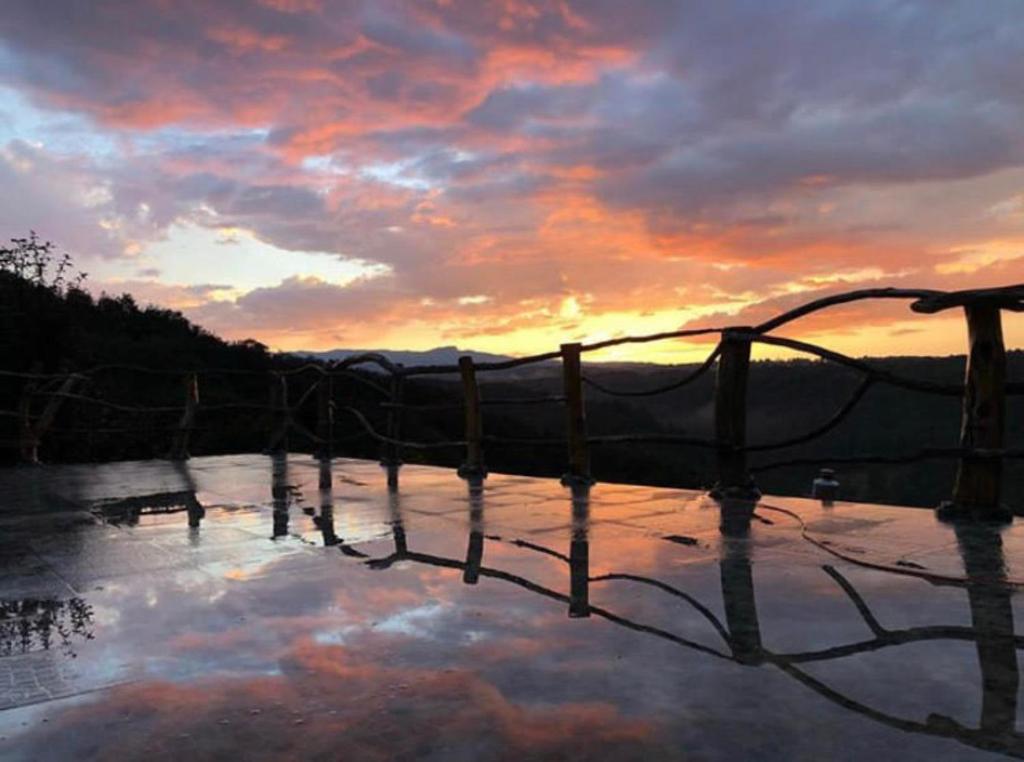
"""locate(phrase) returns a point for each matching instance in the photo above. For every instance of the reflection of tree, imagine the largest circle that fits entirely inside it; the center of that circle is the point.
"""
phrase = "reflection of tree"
(34, 625)
(989, 597)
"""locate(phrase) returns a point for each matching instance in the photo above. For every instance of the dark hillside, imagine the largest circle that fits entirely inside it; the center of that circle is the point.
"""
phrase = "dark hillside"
(48, 326)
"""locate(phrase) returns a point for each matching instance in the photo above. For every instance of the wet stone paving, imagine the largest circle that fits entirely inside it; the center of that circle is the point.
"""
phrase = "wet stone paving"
(271, 607)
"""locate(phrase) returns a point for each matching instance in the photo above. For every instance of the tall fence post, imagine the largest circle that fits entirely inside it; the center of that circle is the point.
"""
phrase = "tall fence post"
(32, 433)
(28, 444)
(575, 418)
(279, 410)
(474, 467)
(325, 417)
(179, 448)
(731, 417)
(391, 456)
(978, 484)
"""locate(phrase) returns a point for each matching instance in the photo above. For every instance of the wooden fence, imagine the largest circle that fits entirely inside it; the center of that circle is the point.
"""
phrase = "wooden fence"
(980, 452)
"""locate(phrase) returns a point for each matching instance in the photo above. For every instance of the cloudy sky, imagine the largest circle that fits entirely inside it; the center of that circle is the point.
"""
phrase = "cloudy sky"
(506, 176)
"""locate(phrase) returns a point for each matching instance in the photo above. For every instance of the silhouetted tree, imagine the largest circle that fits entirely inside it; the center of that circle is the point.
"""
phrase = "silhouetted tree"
(39, 263)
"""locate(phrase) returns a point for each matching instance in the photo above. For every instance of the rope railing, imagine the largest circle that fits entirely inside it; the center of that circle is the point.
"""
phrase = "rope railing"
(689, 378)
(838, 417)
(893, 379)
(980, 450)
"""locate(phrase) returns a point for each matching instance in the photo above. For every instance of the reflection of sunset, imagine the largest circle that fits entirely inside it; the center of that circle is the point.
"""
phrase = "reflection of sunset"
(508, 620)
(330, 703)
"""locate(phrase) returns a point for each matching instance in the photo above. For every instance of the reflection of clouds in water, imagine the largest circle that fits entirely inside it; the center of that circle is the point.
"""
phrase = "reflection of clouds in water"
(413, 622)
(427, 665)
(329, 701)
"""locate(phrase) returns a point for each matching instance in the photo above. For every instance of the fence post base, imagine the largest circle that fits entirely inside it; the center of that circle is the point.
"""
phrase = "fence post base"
(953, 512)
(472, 473)
(577, 481)
(748, 491)
(392, 472)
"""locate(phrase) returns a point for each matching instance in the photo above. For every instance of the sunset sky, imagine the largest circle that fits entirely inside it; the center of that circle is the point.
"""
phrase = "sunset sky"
(507, 176)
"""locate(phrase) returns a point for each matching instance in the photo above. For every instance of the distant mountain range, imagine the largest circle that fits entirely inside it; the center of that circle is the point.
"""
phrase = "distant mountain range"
(450, 355)
(437, 356)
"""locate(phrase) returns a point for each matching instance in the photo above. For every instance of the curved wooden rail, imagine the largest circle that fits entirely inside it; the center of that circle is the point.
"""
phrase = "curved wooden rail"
(980, 448)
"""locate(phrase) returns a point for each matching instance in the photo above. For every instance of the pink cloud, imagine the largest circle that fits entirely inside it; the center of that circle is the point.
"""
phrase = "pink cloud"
(522, 153)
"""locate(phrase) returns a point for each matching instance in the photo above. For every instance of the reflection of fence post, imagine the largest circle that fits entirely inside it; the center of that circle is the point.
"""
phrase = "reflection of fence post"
(736, 572)
(325, 520)
(325, 416)
(280, 493)
(991, 601)
(475, 549)
(731, 416)
(279, 410)
(474, 467)
(575, 417)
(979, 478)
(179, 448)
(579, 554)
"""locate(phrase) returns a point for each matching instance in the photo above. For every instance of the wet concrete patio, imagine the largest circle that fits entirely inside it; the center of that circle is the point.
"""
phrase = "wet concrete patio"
(230, 607)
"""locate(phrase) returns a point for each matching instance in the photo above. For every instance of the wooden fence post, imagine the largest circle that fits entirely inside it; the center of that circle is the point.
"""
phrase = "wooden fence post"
(575, 418)
(978, 485)
(179, 448)
(32, 433)
(474, 467)
(391, 456)
(27, 442)
(325, 417)
(731, 417)
(279, 410)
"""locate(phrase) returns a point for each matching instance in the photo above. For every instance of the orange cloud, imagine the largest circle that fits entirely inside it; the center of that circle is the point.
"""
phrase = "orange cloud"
(501, 160)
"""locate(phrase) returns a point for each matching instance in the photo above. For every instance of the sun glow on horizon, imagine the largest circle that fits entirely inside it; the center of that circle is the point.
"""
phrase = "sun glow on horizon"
(508, 177)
